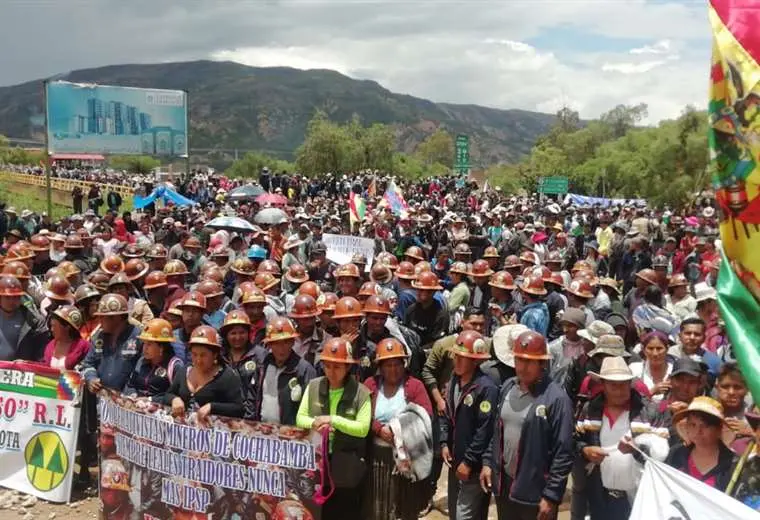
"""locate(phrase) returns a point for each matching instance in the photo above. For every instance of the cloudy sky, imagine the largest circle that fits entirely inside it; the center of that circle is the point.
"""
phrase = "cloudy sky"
(529, 54)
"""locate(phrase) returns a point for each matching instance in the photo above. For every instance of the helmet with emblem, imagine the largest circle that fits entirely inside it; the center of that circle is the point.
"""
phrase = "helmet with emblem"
(254, 295)
(388, 259)
(423, 266)
(678, 280)
(580, 288)
(233, 318)
(269, 266)
(329, 302)
(512, 261)
(112, 305)
(19, 251)
(390, 348)
(648, 275)
(555, 279)
(458, 268)
(347, 270)
(358, 259)
(85, 292)
(40, 243)
(587, 276)
(380, 273)
(491, 252)
(304, 306)
(480, 268)
(377, 305)
(119, 279)
(533, 285)
(529, 257)
(194, 299)
(53, 271)
(58, 288)
(415, 252)
(10, 286)
(462, 248)
(112, 265)
(296, 274)
(175, 309)
(175, 268)
(243, 266)
(542, 271)
(157, 252)
(70, 315)
(17, 269)
(553, 257)
(69, 269)
(502, 280)
(279, 329)
(136, 268)
(369, 289)
(155, 279)
(427, 282)
(133, 251)
(406, 271)
(73, 242)
(210, 288)
(205, 336)
(471, 344)
(531, 345)
(609, 282)
(348, 307)
(337, 350)
(265, 281)
(193, 243)
(100, 280)
(114, 475)
(310, 288)
(213, 272)
(158, 330)
(581, 265)
(660, 261)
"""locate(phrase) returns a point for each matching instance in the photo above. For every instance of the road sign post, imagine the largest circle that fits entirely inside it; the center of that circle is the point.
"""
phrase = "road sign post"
(462, 155)
(552, 185)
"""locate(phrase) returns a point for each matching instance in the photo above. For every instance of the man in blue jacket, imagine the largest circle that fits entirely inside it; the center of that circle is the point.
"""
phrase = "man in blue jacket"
(467, 427)
(531, 451)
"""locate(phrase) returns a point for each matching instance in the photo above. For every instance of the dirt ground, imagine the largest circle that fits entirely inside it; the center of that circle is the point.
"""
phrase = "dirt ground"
(15, 506)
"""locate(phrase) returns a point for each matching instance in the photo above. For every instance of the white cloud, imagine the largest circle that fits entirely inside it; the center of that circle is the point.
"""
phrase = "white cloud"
(660, 47)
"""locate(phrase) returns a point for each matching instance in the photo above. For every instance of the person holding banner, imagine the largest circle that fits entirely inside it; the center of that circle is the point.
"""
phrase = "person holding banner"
(703, 456)
(277, 384)
(67, 348)
(209, 386)
(338, 405)
(156, 368)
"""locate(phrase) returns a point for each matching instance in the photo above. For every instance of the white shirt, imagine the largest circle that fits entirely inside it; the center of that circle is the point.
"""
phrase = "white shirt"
(617, 469)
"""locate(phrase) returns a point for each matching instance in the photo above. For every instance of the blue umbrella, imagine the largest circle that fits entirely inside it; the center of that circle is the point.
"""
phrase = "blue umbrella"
(231, 224)
(246, 192)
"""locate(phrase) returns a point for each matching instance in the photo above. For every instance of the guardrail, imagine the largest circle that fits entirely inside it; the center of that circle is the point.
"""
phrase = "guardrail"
(66, 185)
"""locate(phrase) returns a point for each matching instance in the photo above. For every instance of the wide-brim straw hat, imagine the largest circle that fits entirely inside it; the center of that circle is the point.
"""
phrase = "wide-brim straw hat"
(613, 369)
(701, 404)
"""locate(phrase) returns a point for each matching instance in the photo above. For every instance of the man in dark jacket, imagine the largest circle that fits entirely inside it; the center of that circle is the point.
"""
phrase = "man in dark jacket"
(467, 427)
(427, 317)
(23, 333)
(531, 451)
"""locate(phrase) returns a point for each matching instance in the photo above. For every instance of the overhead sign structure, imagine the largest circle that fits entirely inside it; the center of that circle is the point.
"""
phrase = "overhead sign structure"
(88, 118)
(462, 154)
(553, 185)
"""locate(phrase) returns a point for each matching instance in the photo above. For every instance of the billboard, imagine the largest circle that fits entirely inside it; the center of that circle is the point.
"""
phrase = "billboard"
(89, 118)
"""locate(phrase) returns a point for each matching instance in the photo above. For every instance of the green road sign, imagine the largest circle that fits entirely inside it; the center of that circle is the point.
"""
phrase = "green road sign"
(552, 185)
(462, 155)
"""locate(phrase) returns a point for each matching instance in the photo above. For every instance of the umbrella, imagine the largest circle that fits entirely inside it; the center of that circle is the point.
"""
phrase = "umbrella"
(271, 216)
(272, 198)
(247, 192)
(231, 224)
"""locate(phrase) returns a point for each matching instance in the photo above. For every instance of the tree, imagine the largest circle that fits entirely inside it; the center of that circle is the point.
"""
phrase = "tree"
(139, 164)
(623, 117)
(438, 147)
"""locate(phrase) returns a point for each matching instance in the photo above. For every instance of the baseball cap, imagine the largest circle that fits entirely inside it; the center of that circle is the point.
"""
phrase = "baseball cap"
(686, 366)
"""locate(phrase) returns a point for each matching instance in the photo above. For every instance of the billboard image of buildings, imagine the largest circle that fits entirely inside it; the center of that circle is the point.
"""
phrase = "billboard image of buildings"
(86, 118)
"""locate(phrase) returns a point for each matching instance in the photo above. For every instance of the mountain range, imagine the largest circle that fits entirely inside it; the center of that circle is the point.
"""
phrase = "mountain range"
(236, 107)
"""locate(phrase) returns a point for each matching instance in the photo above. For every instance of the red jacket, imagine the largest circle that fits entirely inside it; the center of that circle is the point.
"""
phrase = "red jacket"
(77, 352)
(414, 392)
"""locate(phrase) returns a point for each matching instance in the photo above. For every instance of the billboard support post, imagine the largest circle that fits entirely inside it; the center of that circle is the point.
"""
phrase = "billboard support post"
(187, 136)
(48, 184)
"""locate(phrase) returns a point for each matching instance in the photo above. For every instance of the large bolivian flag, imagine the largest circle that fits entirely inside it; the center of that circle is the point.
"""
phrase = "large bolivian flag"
(734, 138)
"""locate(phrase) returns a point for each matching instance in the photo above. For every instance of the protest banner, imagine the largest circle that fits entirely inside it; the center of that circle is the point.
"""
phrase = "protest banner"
(668, 494)
(157, 467)
(40, 409)
(340, 248)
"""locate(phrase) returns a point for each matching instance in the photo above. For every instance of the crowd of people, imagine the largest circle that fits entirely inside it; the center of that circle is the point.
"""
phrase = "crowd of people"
(519, 341)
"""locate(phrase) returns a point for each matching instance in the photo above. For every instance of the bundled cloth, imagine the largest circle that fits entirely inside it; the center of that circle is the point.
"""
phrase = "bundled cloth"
(413, 442)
